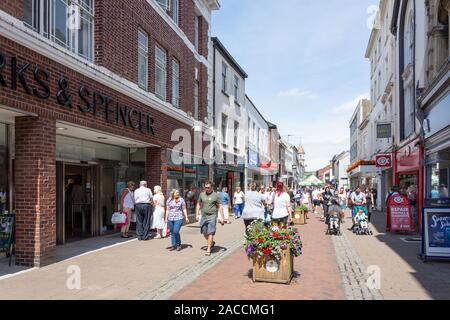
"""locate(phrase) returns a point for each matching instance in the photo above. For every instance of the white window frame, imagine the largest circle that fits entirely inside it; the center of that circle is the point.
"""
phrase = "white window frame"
(175, 83)
(196, 32)
(236, 134)
(224, 77)
(175, 6)
(224, 128)
(161, 66)
(43, 22)
(236, 88)
(165, 4)
(196, 100)
(143, 53)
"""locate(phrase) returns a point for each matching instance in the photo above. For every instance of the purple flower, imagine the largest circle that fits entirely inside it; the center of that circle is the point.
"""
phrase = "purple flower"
(283, 245)
(250, 249)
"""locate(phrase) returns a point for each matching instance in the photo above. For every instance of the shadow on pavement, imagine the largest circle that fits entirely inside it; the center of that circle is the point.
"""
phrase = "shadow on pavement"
(434, 276)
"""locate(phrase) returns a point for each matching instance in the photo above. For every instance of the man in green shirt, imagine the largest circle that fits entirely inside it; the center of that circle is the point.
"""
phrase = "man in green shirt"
(209, 204)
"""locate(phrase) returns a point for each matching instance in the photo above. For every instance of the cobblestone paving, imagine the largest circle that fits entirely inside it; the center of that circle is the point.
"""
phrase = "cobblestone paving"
(165, 290)
(354, 273)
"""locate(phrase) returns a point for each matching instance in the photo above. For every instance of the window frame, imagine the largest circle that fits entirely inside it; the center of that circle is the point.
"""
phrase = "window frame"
(176, 80)
(162, 67)
(143, 51)
(224, 128)
(224, 77)
(44, 21)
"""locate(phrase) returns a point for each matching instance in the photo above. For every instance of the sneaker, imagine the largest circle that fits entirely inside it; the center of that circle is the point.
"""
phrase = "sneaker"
(179, 248)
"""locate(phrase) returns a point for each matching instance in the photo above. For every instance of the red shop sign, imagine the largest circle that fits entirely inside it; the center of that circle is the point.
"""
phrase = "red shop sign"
(400, 214)
(383, 161)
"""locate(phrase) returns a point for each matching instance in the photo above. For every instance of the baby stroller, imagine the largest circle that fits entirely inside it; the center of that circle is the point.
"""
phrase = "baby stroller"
(361, 223)
(333, 219)
(334, 225)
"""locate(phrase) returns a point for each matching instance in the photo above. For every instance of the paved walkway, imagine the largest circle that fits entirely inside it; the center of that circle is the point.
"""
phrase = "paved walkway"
(127, 270)
(402, 274)
(317, 275)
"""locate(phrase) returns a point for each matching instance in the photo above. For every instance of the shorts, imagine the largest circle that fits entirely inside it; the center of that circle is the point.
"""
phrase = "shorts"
(208, 225)
(316, 202)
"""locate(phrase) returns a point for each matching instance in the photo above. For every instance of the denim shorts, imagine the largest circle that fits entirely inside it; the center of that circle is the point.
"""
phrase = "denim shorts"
(208, 225)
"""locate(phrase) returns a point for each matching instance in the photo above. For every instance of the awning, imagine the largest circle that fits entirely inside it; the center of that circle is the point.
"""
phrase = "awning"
(359, 163)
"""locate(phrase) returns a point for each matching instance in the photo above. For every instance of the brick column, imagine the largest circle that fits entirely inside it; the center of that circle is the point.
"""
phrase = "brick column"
(35, 189)
(156, 166)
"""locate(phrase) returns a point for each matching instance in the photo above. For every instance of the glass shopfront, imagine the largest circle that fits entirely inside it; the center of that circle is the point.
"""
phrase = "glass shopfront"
(186, 177)
(90, 180)
(438, 180)
(5, 177)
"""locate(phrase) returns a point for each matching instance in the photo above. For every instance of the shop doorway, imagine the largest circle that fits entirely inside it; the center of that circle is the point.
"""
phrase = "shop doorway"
(76, 194)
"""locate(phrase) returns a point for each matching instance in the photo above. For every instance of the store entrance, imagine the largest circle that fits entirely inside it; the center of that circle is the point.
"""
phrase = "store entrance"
(76, 202)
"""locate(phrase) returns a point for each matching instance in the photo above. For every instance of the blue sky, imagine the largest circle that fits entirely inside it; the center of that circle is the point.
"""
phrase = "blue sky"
(306, 65)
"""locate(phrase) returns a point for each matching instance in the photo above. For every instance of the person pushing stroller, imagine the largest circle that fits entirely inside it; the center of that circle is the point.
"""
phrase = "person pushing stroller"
(334, 218)
(358, 200)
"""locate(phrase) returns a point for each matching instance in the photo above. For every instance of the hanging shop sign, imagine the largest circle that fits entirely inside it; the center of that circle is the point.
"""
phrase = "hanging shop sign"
(384, 130)
(36, 81)
(383, 161)
(399, 214)
(436, 233)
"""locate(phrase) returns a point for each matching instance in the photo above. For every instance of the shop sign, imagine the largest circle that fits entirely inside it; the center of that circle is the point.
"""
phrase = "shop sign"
(383, 161)
(36, 81)
(400, 214)
(436, 233)
(384, 130)
(253, 158)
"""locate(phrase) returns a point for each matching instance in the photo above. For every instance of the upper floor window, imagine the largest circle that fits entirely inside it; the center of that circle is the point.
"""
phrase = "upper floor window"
(236, 134)
(165, 4)
(175, 7)
(160, 73)
(143, 59)
(175, 84)
(196, 100)
(196, 32)
(67, 23)
(224, 128)
(236, 88)
(224, 77)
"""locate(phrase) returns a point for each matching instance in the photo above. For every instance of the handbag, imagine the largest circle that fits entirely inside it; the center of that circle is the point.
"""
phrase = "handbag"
(119, 218)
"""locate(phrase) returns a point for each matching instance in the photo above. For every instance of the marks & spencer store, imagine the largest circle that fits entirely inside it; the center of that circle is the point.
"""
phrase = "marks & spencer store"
(71, 136)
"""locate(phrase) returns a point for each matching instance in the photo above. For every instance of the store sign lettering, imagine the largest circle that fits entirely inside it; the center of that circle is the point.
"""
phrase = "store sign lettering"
(86, 100)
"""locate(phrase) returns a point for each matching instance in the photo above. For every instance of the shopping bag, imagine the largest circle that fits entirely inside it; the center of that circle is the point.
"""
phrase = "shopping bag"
(119, 218)
(165, 230)
(125, 223)
(133, 217)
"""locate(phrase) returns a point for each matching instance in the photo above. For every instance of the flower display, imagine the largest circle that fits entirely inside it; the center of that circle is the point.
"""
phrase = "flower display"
(271, 241)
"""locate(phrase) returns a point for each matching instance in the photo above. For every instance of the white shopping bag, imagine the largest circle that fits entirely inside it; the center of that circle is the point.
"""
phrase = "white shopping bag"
(133, 217)
(118, 218)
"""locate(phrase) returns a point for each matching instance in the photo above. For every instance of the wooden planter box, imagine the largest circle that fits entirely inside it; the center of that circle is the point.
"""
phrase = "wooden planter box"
(299, 218)
(283, 275)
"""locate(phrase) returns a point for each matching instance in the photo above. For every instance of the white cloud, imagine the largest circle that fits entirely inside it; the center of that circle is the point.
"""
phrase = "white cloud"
(297, 92)
(349, 105)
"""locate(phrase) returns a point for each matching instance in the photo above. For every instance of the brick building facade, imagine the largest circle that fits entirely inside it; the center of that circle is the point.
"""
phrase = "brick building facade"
(63, 114)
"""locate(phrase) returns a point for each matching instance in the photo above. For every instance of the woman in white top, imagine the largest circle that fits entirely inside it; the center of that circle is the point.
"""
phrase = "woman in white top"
(282, 209)
(255, 203)
(159, 212)
(238, 202)
(306, 201)
(127, 206)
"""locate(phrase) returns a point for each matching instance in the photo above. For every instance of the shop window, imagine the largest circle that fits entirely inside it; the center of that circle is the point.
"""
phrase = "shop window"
(4, 172)
(438, 181)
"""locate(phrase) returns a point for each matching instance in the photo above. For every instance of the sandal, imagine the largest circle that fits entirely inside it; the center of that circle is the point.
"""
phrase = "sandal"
(207, 253)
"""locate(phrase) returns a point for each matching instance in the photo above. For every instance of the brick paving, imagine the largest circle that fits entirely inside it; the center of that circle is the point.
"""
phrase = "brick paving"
(317, 275)
(402, 274)
(124, 271)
